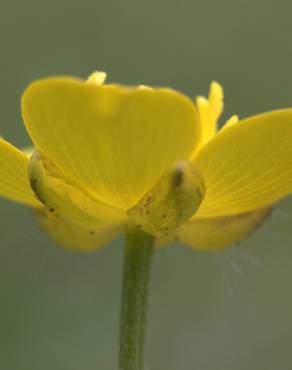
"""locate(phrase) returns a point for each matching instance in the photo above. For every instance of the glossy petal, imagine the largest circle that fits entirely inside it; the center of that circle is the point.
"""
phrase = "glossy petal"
(248, 165)
(113, 142)
(209, 112)
(214, 234)
(14, 182)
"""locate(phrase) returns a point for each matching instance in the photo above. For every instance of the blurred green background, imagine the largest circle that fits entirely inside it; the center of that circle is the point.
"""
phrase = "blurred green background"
(227, 311)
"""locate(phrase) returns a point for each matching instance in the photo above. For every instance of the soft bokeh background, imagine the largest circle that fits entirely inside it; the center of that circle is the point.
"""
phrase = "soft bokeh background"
(228, 311)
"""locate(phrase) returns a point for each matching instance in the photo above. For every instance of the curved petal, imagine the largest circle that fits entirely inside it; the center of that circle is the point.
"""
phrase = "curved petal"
(14, 182)
(248, 165)
(209, 112)
(112, 141)
(214, 234)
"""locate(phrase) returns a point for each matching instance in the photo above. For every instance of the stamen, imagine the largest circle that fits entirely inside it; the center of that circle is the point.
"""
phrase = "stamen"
(97, 78)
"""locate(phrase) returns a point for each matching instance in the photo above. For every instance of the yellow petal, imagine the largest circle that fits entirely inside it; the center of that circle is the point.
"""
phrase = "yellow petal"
(209, 111)
(14, 182)
(112, 141)
(214, 234)
(248, 165)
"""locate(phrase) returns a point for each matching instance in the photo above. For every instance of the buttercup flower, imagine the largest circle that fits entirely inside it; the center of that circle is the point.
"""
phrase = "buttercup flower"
(108, 155)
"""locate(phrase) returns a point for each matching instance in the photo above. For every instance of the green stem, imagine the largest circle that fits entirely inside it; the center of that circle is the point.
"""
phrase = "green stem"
(139, 248)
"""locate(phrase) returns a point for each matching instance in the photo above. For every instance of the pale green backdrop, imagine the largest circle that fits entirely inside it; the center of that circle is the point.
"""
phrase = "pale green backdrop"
(228, 311)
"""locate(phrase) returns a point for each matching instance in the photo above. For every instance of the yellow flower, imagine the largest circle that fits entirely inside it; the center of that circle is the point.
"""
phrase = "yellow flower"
(107, 155)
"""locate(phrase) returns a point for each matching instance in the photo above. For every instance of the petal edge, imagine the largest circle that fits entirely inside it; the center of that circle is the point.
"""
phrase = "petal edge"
(14, 183)
(247, 166)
